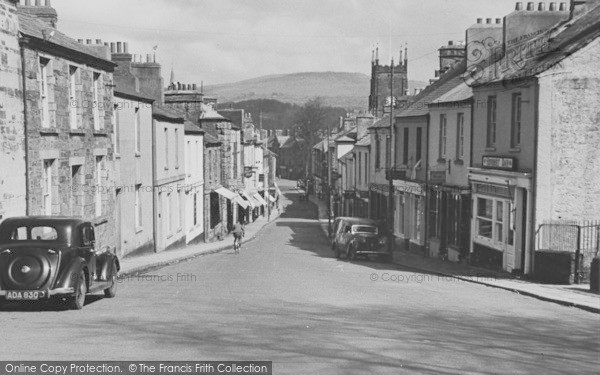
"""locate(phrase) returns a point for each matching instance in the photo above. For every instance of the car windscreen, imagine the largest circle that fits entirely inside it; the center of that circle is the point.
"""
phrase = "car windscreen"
(364, 229)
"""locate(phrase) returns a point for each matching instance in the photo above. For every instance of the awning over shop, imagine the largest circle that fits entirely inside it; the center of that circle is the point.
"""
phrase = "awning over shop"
(272, 199)
(253, 202)
(277, 189)
(260, 199)
(242, 202)
(226, 193)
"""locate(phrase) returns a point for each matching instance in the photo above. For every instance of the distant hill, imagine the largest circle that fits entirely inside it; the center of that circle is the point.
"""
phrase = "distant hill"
(346, 90)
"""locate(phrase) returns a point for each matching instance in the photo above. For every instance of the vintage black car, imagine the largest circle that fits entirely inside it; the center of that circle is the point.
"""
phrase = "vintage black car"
(43, 258)
(354, 237)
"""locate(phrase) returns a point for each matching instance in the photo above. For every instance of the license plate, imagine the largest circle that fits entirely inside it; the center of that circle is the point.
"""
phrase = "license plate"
(24, 295)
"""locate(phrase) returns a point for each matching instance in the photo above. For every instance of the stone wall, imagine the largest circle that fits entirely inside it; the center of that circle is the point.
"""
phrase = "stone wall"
(74, 192)
(568, 162)
(12, 130)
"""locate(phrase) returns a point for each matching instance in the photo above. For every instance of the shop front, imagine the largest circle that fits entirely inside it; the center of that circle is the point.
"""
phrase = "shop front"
(501, 216)
(449, 222)
(409, 217)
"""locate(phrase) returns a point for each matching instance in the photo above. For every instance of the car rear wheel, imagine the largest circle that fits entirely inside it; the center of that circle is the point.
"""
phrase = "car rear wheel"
(78, 299)
(111, 291)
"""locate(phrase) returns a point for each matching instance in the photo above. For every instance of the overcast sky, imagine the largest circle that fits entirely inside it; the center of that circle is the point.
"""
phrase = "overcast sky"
(220, 41)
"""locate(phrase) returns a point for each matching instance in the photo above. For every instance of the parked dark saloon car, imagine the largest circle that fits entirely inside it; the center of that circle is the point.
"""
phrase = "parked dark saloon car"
(43, 258)
(354, 237)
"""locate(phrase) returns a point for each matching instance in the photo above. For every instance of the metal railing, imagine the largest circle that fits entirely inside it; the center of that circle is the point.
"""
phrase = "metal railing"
(581, 238)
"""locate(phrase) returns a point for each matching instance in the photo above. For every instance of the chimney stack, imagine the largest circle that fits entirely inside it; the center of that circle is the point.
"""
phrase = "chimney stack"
(488, 21)
(119, 47)
(480, 20)
(542, 7)
(552, 7)
(519, 6)
(530, 6)
(125, 47)
(579, 7)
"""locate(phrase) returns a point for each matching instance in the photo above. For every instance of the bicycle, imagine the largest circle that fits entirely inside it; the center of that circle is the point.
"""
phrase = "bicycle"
(236, 247)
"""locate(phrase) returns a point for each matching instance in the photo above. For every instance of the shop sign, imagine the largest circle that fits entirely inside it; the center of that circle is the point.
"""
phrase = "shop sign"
(499, 162)
(409, 187)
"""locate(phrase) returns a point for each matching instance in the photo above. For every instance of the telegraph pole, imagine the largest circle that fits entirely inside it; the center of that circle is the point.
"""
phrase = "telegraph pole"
(265, 174)
(392, 165)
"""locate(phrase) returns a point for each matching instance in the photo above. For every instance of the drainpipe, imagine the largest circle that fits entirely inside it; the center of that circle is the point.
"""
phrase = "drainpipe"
(532, 204)
(22, 42)
(426, 213)
(154, 192)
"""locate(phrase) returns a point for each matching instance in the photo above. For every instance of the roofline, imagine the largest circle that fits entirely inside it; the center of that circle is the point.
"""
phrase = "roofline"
(140, 98)
(26, 40)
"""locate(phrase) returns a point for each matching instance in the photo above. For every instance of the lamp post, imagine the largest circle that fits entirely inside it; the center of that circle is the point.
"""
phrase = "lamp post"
(330, 205)
(390, 210)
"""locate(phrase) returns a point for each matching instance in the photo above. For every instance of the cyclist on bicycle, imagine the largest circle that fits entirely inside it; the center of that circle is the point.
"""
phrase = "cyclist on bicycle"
(238, 232)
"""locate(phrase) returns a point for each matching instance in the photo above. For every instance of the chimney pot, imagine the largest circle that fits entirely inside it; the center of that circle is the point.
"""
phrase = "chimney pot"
(519, 6)
(106, 44)
(480, 20)
(552, 7)
(450, 43)
(563, 7)
(27, 2)
(542, 6)
(148, 58)
(488, 21)
(98, 41)
(194, 87)
(48, 3)
(80, 41)
(38, 3)
(112, 47)
(154, 58)
(119, 47)
(498, 20)
(88, 41)
(531, 5)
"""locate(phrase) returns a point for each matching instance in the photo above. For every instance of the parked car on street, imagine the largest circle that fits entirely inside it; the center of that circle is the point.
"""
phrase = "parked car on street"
(355, 237)
(43, 258)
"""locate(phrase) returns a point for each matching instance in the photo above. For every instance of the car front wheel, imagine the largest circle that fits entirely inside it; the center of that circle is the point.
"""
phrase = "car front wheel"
(78, 298)
(111, 291)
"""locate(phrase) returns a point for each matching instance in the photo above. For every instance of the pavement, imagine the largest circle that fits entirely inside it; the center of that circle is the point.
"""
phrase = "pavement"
(145, 262)
(578, 296)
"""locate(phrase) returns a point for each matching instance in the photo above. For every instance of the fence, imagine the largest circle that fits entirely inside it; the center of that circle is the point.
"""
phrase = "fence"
(582, 239)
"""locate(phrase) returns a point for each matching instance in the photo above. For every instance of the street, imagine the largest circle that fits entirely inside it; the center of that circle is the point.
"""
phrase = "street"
(285, 298)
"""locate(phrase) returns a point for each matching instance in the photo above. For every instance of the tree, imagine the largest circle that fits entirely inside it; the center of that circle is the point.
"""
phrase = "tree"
(312, 120)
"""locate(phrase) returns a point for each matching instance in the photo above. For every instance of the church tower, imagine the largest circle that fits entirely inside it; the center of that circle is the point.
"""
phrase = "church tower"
(380, 81)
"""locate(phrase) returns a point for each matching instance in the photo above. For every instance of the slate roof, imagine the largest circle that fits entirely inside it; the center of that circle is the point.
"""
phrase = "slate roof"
(128, 93)
(165, 114)
(460, 93)
(384, 122)
(553, 46)
(211, 139)
(418, 106)
(31, 26)
(191, 128)
(364, 141)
